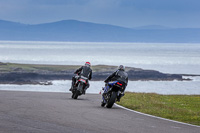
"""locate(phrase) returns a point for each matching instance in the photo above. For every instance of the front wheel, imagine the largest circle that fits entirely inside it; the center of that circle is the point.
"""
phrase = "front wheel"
(112, 100)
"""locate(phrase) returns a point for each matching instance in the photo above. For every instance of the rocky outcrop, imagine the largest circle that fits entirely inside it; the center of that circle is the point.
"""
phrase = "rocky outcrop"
(20, 75)
(38, 78)
(152, 75)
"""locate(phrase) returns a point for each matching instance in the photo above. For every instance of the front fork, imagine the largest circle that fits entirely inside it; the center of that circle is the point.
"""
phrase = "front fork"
(105, 95)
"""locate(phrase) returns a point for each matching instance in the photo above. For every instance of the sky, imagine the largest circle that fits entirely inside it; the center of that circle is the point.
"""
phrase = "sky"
(126, 13)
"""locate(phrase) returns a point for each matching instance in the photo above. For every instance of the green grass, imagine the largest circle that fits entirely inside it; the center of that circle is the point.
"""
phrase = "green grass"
(14, 67)
(11, 67)
(183, 108)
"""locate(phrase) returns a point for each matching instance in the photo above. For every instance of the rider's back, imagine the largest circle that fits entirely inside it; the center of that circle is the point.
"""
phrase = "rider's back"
(121, 76)
(86, 72)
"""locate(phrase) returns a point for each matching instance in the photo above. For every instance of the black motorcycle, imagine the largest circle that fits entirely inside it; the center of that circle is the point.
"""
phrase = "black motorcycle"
(112, 93)
(79, 86)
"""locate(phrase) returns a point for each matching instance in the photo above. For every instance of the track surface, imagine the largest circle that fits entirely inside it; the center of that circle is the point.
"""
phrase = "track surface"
(42, 112)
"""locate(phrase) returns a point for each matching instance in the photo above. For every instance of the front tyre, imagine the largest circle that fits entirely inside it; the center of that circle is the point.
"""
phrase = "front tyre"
(112, 100)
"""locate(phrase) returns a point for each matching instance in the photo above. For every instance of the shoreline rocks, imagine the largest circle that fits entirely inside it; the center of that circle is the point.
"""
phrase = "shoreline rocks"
(45, 79)
(11, 73)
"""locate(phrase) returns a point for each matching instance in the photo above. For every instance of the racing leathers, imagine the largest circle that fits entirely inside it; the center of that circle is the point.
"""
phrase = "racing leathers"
(121, 76)
(85, 71)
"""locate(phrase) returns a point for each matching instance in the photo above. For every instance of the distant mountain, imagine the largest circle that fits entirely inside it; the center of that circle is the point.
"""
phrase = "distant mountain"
(73, 30)
(153, 27)
(8, 24)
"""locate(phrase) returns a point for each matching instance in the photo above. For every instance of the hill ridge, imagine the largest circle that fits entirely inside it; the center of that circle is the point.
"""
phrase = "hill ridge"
(75, 30)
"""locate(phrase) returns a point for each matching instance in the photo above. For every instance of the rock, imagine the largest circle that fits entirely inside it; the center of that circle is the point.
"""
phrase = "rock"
(43, 76)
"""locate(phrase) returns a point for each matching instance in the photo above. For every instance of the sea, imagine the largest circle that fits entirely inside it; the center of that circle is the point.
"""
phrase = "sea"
(173, 58)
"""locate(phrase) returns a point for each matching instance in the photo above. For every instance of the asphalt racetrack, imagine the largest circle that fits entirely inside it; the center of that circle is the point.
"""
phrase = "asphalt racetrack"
(50, 112)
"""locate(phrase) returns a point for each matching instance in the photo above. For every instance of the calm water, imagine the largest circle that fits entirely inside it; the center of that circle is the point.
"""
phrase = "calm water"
(170, 58)
(159, 87)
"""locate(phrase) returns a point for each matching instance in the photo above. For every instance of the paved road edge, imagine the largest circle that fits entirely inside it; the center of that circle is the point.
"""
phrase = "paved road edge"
(155, 116)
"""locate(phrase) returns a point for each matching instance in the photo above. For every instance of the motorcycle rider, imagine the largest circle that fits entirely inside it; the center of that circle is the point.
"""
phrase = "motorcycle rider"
(85, 71)
(121, 76)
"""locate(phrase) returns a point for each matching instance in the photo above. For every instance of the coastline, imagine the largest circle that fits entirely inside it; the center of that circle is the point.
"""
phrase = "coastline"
(12, 73)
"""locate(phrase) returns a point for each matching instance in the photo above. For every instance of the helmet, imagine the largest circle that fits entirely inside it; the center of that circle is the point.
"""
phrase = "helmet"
(121, 67)
(87, 64)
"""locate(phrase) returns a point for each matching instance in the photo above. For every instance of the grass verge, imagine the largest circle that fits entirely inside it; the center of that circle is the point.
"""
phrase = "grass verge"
(13, 67)
(183, 108)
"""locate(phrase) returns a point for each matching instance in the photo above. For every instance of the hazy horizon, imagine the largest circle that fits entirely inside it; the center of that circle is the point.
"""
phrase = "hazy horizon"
(125, 13)
(181, 58)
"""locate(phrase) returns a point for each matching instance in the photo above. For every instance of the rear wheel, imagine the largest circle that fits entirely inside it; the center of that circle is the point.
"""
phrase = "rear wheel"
(75, 94)
(112, 100)
(72, 94)
(78, 90)
(103, 104)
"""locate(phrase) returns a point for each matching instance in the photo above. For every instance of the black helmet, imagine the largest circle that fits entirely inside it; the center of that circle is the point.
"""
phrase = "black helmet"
(121, 67)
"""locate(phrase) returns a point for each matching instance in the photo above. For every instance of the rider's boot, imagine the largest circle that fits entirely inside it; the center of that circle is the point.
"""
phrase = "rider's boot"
(118, 98)
(73, 83)
(84, 90)
(102, 104)
(72, 87)
(120, 95)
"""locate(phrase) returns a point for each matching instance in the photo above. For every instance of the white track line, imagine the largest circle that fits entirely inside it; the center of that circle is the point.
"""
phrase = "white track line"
(155, 116)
